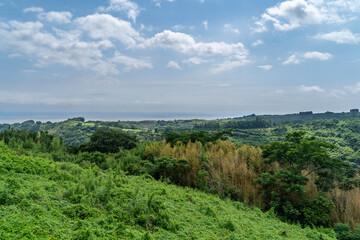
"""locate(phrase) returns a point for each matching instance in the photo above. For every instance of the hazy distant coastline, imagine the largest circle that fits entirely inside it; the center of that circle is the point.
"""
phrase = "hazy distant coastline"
(18, 117)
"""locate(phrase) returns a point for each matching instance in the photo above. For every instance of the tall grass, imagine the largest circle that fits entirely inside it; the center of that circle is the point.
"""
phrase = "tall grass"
(229, 171)
(219, 167)
(347, 206)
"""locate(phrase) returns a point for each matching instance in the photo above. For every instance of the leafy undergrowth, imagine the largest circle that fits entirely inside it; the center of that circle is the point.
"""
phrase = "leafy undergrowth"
(41, 199)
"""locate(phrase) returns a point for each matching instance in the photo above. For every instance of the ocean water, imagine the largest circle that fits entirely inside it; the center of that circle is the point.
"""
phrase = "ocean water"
(18, 117)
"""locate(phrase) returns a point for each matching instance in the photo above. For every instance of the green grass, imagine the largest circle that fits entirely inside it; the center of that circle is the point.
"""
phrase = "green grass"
(42, 199)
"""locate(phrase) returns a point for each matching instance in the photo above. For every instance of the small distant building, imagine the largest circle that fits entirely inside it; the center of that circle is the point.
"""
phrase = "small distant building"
(354, 110)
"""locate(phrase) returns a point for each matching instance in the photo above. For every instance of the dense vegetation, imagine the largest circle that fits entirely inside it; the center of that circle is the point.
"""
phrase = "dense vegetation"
(340, 129)
(42, 199)
(298, 157)
(252, 129)
(298, 177)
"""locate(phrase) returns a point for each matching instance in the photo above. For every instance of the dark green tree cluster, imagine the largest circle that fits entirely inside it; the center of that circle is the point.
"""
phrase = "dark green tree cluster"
(109, 141)
(344, 232)
(200, 136)
(208, 126)
(29, 139)
(165, 167)
(284, 190)
(259, 122)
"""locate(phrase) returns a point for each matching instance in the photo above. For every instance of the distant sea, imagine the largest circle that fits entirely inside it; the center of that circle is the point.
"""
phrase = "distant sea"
(18, 117)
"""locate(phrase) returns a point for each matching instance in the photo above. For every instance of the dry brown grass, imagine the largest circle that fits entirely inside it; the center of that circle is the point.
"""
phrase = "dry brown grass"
(228, 166)
(237, 168)
(347, 204)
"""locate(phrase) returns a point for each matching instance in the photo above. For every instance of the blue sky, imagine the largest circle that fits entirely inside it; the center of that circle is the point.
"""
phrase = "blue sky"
(228, 57)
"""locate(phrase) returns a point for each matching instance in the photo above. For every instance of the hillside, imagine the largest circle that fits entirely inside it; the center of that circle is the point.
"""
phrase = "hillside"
(302, 117)
(42, 199)
(342, 132)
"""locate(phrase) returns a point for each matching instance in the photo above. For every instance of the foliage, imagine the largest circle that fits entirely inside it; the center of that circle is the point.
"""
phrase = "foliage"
(28, 139)
(344, 232)
(196, 136)
(169, 167)
(43, 199)
(340, 129)
(221, 168)
(109, 141)
(259, 122)
(297, 157)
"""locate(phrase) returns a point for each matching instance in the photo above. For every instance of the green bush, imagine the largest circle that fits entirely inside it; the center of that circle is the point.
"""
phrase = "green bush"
(109, 141)
(343, 231)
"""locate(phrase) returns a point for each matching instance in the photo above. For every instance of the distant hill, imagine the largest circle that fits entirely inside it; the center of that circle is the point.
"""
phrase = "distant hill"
(340, 129)
(305, 116)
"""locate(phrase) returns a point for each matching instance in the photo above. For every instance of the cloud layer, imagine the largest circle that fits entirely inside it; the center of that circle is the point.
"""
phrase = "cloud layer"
(315, 55)
(292, 14)
(342, 37)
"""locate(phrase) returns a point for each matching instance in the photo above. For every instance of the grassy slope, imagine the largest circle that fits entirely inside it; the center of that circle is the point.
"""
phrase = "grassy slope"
(40, 199)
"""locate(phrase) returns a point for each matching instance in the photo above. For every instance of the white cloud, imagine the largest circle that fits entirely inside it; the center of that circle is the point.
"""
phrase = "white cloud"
(195, 60)
(105, 26)
(354, 89)
(259, 27)
(315, 55)
(337, 93)
(205, 23)
(257, 43)
(292, 14)
(131, 8)
(130, 63)
(173, 64)
(229, 65)
(342, 37)
(229, 28)
(266, 67)
(149, 28)
(186, 44)
(65, 48)
(29, 39)
(178, 27)
(33, 9)
(318, 56)
(158, 2)
(315, 89)
(57, 17)
(235, 54)
(291, 60)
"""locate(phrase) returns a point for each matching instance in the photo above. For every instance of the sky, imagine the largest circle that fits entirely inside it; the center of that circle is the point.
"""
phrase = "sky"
(225, 57)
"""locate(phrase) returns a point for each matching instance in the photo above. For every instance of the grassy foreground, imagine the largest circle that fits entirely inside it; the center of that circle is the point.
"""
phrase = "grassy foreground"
(42, 199)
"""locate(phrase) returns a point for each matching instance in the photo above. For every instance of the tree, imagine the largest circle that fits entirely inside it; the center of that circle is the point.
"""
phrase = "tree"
(200, 136)
(109, 141)
(299, 156)
(170, 167)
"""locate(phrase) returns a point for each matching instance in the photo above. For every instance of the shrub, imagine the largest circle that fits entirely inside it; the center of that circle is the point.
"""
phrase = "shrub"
(343, 231)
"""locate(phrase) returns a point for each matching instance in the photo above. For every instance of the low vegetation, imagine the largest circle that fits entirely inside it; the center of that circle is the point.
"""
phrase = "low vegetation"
(296, 179)
(42, 199)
